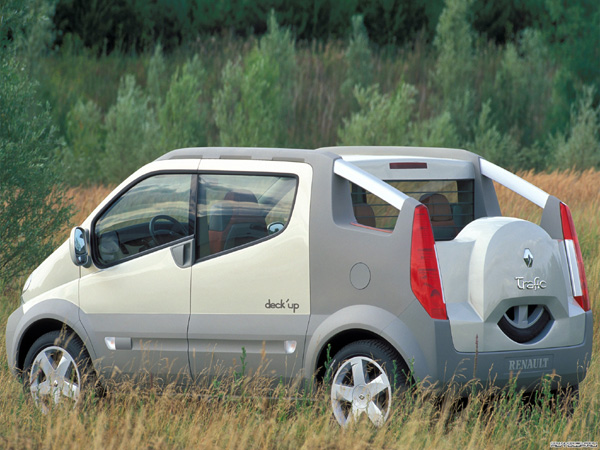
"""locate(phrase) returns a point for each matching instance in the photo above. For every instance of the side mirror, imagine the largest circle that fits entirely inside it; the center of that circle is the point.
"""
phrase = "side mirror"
(78, 247)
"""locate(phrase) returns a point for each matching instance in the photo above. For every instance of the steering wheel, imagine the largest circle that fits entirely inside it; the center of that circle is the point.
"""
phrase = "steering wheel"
(176, 232)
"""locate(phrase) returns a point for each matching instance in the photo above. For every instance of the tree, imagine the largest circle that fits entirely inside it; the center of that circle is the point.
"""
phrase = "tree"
(33, 210)
(255, 103)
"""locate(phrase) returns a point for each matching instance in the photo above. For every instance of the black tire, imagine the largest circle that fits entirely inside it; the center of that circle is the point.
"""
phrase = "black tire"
(523, 335)
(58, 370)
(363, 378)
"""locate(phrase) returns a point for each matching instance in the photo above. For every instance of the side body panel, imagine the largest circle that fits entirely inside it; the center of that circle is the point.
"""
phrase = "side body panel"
(255, 297)
(338, 303)
(145, 304)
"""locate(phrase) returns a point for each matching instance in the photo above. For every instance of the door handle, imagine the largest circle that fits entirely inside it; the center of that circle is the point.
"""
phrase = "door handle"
(183, 254)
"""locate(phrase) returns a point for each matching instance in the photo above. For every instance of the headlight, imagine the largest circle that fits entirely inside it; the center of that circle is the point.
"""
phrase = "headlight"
(28, 282)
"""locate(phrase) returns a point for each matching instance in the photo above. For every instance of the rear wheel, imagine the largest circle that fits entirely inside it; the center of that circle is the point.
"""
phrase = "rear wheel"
(57, 370)
(366, 374)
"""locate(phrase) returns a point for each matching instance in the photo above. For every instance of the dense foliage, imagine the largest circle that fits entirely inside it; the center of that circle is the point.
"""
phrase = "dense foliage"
(32, 206)
(531, 102)
(517, 82)
(128, 24)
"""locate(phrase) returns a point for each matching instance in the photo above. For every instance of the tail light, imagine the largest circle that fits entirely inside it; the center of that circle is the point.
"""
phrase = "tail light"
(424, 270)
(574, 258)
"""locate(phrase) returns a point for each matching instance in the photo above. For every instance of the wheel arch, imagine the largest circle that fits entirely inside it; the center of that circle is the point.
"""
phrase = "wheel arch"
(34, 332)
(363, 322)
(339, 341)
(46, 316)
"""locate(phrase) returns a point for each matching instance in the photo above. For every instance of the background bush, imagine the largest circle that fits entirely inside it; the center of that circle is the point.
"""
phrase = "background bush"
(382, 119)
(132, 133)
(183, 117)
(255, 102)
(106, 25)
(581, 147)
(358, 57)
(86, 134)
(455, 66)
(505, 79)
(33, 209)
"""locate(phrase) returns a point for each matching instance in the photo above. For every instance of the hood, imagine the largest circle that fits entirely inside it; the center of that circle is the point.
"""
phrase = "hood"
(56, 271)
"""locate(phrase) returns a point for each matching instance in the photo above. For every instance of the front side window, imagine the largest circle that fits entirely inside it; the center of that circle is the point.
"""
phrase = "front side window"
(152, 213)
(234, 210)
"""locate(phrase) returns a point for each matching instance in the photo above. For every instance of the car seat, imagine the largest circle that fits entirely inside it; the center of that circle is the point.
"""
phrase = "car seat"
(234, 221)
(440, 214)
(364, 214)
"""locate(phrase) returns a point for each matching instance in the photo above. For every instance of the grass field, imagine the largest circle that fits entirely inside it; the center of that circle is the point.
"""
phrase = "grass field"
(131, 418)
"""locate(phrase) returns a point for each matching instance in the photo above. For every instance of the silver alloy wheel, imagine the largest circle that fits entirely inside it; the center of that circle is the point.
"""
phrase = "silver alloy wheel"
(361, 386)
(54, 378)
(524, 316)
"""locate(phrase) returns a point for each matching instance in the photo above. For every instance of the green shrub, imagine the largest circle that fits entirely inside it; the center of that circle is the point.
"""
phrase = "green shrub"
(358, 58)
(183, 116)
(519, 102)
(391, 119)
(85, 142)
(572, 31)
(132, 134)
(157, 78)
(438, 131)
(254, 105)
(34, 210)
(278, 47)
(382, 119)
(581, 149)
(454, 70)
(39, 30)
(454, 45)
(502, 148)
(492, 144)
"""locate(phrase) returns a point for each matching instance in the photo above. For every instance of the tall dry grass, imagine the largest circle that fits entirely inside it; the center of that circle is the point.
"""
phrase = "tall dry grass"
(579, 190)
(210, 417)
(85, 200)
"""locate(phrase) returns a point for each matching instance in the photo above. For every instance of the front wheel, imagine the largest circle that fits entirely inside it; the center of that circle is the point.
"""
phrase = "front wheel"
(366, 373)
(57, 368)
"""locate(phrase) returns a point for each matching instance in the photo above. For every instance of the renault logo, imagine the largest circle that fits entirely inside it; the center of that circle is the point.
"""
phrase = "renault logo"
(528, 258)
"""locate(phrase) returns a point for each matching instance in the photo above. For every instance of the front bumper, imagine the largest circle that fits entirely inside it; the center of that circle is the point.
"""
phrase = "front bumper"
(10, 337)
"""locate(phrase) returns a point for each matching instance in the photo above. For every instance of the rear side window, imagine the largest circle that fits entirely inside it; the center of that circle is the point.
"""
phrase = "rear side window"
(234, 210)
(449, 202)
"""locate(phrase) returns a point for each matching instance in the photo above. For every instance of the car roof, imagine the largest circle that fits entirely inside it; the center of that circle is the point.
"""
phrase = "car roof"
(256, 153)
(402, 151)
(305, 155)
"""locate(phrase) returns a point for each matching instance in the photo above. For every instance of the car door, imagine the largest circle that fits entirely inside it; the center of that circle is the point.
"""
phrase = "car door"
(250, 284)
(135, 299)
